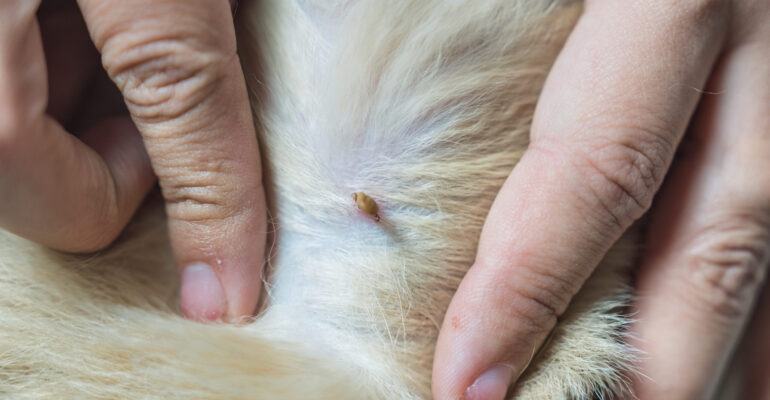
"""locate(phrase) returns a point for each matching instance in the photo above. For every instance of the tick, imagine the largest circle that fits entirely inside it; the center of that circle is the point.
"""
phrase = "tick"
(366, 204)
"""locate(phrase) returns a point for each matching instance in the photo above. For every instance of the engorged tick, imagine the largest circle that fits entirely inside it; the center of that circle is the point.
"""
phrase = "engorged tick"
(366, 204)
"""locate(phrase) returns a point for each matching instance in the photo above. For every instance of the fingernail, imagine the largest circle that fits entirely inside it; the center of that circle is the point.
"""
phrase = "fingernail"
(201, 296)
(491, 385)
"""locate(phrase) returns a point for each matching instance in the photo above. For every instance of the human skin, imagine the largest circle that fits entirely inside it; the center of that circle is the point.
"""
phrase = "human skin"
(188, 123)
(611, 116)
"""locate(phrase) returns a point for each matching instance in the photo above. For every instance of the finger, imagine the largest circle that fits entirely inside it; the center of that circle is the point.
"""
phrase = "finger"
(53, 188)
(709, 242)
(175, 63)
(610, 116)
(757, 344)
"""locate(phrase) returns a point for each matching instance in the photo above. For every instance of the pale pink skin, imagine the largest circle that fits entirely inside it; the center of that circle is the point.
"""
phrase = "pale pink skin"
(612, 113)
(188, 124)
(614, 107)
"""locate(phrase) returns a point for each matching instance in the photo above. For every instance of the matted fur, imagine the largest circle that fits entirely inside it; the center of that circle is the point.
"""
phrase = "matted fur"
(425, 105)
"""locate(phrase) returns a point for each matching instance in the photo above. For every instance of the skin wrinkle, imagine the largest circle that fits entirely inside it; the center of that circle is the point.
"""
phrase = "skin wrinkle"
(680, 55)
(559, 151)
(713, 262)
(138, 60)
(719, 202)
(526, 280)
(354, 306)
(176, 104)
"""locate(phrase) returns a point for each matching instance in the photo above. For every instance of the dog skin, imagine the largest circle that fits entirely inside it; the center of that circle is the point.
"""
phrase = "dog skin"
(425, 107)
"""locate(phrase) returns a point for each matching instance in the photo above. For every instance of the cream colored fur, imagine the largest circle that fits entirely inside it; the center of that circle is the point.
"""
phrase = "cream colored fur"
(425, 105)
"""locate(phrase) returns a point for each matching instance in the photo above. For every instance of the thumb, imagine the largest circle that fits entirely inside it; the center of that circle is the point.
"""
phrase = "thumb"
(176, 65)
(604, 134)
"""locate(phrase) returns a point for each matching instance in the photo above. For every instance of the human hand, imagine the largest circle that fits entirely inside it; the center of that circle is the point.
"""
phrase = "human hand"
(176, 66)
(612, 113)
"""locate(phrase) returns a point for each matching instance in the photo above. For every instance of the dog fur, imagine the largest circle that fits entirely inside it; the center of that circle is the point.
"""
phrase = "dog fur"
(425, 105)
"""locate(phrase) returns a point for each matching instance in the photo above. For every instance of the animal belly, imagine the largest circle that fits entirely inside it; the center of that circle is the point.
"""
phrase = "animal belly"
(423, 107)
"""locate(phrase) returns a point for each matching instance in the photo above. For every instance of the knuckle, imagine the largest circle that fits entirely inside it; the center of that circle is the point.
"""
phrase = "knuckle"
(538, 306)
(727, 264)
(201, 182)
(163, 78)
(532, 296)
(198, 195)
(623, 175)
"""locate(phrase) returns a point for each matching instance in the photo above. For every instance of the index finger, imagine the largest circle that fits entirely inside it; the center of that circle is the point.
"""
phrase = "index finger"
(613, 109)
(176, 65)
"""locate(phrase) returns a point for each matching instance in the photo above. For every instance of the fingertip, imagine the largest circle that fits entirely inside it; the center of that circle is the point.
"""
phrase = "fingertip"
(466, 370)
(232, 245)
(489, 336)
(491, 385)
(202, 297)
(223, 292)
(242, 284)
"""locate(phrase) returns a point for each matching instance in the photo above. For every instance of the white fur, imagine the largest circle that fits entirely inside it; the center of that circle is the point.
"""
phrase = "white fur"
(425, 105)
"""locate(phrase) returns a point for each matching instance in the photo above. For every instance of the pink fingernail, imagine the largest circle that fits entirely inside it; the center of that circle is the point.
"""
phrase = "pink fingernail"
(491, 385)
(201, 296)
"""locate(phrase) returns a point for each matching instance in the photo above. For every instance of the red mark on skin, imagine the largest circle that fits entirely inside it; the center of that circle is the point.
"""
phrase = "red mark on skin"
(456, 323)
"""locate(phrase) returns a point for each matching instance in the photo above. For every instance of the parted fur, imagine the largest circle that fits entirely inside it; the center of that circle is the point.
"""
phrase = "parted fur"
(425, 105)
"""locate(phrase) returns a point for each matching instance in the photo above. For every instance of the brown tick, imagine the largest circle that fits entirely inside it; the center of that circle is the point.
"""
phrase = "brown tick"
(366, 204)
